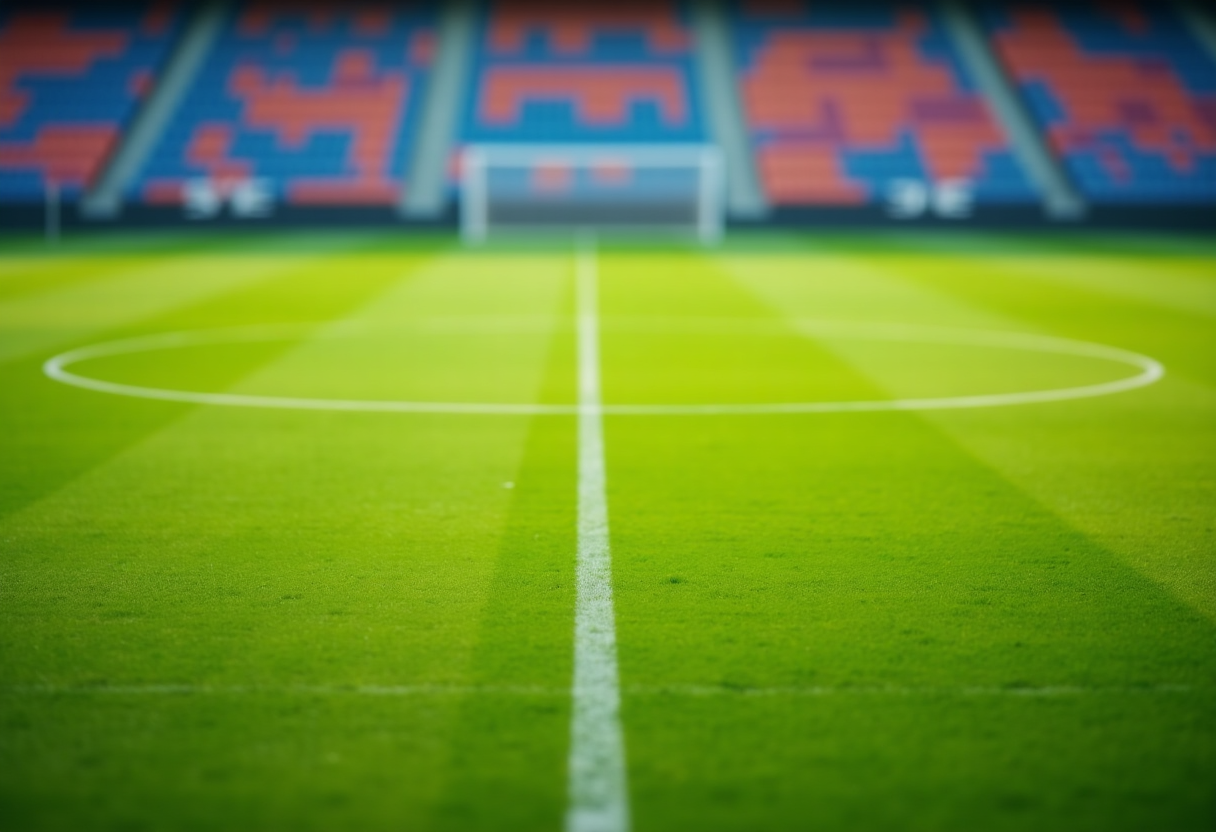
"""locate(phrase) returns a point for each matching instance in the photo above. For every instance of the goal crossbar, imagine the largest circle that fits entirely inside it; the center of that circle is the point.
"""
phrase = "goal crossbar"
(633, 189)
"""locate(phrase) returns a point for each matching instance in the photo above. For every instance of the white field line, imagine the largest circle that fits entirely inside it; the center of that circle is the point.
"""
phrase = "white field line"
(173, 689)
(1018, 691)
(1150, 371)
(692, 691)
(597, 789)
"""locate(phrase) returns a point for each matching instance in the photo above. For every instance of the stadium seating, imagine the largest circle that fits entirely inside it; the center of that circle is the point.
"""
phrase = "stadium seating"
(562, 72)
(846, 104)
(317, 101)
(1125, 94)
(844, 101)
(70, 79)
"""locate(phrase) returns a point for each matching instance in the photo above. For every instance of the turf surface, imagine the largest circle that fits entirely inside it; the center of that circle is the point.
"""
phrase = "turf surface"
(221, 617)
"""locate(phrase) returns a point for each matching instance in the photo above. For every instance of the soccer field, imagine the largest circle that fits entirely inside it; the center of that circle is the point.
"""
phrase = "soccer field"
(869, 531)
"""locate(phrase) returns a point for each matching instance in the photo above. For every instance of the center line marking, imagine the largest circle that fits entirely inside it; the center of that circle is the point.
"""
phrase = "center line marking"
(598, 792)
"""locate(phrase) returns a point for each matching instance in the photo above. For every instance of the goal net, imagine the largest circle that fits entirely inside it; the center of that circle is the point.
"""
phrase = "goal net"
(603, 188)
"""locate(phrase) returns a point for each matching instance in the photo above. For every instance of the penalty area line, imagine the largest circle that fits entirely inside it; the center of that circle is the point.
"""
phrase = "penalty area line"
(597, 788)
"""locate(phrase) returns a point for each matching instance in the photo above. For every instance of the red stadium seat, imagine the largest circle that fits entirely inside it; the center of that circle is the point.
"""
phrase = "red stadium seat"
(817, 94)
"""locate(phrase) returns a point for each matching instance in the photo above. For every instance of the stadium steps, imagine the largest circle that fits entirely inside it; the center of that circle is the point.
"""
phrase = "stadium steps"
(716, 68)
(427, 196)
(1061, 200)
(104, 199)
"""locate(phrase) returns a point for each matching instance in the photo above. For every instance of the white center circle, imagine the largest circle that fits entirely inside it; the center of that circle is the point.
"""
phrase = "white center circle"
(1148, 371)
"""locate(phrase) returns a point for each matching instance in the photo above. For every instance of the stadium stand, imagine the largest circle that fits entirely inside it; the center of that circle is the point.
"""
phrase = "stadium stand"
(317, 101)
(549, 72)
(842, 101)
(1124, 92)
(70, 79)
(845, 105)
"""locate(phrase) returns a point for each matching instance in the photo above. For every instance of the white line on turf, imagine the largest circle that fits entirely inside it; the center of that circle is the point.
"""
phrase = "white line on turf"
(172, 689)
(1150, 371)
(693, 691)
(598, 793)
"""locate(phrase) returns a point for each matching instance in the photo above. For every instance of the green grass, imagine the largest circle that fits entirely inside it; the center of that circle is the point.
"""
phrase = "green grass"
(234, 618)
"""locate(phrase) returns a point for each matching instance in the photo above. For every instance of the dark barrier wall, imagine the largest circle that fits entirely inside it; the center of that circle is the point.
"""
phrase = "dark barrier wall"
(1182, 218)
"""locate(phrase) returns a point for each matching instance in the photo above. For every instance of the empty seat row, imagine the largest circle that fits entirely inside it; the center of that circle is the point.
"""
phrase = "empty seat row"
(317, 101)
(1123, 91)
(844, 103)
(547, 72)
(71, 77)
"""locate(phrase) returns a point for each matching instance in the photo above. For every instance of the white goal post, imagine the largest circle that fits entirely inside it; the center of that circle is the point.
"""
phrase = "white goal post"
(627, 188)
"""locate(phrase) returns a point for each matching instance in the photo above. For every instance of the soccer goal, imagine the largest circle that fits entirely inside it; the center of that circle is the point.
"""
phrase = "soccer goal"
(630, 189)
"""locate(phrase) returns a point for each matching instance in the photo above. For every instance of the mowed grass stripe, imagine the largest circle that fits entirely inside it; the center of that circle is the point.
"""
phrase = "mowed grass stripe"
(318, 621)
(1129, 245)
(301, 763)
(1092, 462)
(67, 315)
(245, 548)
(274, 435)
(681, 336)
(1146, 317)
(25, 276)
(68, 246)
(438, 338)
(507, 766)
(59, 267)
(1133, 470)
(926, 763)
(64, 432)
(1148, 244)
(1186, 287)
(846, 551)
(709, 275)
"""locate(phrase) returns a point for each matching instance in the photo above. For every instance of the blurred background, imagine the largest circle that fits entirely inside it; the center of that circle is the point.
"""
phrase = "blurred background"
(993, 112)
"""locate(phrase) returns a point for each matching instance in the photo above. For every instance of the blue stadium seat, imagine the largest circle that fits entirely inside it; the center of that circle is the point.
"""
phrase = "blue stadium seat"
(1123, 91)
(319, 101)
(845, 100)
(71, 77)
(559, 72)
